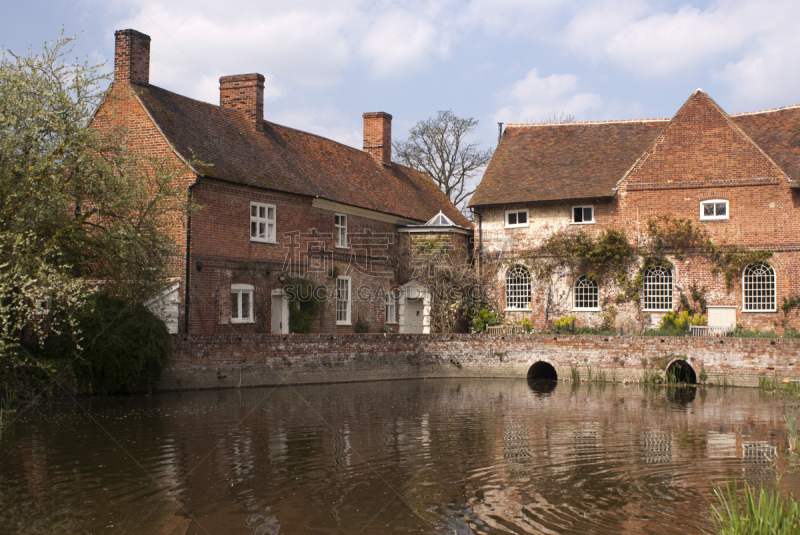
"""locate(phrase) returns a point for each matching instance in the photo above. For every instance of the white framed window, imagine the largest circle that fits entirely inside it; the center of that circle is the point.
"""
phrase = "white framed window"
(516, 218)
(41, 307)
(391, 308)
(242, 303)
(714, 209)
(340, 227)
(518, 289)
(583, 215)
(343, 301)
(262, 222)
(657, 289)
(758, 288)
(586, 294)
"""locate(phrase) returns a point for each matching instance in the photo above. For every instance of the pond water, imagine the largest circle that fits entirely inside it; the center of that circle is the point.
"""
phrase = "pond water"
(424, 456)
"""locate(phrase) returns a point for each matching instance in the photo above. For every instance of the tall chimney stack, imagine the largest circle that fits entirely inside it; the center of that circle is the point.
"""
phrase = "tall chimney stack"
(244, 92)
(378, 136)
(132, 57)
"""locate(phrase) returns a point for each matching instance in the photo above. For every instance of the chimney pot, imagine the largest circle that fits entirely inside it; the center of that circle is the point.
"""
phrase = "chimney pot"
(245, 93)
(132, 57)
(378, 136)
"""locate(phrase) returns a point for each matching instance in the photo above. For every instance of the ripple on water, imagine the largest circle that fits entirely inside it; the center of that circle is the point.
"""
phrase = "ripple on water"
(480, 456)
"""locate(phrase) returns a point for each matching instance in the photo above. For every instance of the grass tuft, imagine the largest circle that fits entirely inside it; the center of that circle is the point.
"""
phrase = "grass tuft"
(755, 512)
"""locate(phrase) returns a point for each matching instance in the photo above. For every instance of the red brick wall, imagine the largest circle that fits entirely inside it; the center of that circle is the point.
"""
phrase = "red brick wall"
(700, 156)
(132, 57)
(221, 243)
(250, 360)
(378, 135)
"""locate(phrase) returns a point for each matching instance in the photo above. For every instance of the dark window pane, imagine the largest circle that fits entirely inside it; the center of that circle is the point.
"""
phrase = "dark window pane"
(512, 219)
(722, 209)
(577, 215)
(587, 214)
(708, 209)
(523, 218)
(234, 305)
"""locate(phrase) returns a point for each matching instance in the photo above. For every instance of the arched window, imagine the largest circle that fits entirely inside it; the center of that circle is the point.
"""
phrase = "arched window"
(758, 287)
(518, 289)
(586, 294)
(658, 289)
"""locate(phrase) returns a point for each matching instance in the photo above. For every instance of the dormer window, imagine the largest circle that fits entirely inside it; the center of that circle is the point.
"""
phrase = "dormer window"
(516, 218)
(714, 209)
(583, 215)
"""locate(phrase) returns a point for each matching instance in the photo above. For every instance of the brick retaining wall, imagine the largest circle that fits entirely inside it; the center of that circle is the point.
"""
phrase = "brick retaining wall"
(224, 361)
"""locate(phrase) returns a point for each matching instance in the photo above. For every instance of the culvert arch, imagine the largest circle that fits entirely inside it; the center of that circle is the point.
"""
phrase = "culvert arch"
(542, 370)
(682, 371)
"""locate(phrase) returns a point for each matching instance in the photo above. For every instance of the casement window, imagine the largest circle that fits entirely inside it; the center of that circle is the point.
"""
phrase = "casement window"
(516, 218)
(586, 294)
(343, 301)
(518, 289)
(714, 209)
(758, 288)
(657, 289)
(262, 222)
(241, 303)
(391, 308)
(583, 215)
(340, 227)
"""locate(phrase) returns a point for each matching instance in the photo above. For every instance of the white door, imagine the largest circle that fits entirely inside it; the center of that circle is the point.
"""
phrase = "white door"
(280, 314)
(414, 315)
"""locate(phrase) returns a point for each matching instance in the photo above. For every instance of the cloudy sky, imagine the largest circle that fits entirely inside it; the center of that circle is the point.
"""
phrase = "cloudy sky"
(515, 61)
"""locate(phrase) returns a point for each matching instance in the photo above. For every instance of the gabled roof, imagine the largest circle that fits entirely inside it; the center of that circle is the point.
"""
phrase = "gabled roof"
(550, 162)
(220, 143)
(546, 162)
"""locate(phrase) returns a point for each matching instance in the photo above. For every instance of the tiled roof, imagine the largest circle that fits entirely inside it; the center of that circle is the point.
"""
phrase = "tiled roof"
(547, 162)
(563, 161)
(777, 132)
(220, 143)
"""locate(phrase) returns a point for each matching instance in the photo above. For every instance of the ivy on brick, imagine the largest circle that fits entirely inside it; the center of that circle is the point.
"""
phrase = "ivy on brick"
(305, 302)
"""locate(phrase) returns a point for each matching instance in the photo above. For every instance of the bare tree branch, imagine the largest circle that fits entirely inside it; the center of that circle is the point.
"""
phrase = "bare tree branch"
(438, 146)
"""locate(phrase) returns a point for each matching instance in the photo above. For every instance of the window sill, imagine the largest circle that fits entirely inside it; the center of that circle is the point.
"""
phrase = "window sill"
(656, 310)
(341, 246)
(714, 218)
(771, 311)
(582, 223)
(516, 310)
(585, 310)
(240, 322)
(390, 322)
(256, 240)
(347, 323)
(517, 226)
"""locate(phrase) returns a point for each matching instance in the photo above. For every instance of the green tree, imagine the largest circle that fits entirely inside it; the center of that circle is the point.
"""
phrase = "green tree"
(439, 146)
(79, 211)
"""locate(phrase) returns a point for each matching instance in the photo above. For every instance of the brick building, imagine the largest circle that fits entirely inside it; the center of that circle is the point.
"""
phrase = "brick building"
(276, 205)
(736, 177)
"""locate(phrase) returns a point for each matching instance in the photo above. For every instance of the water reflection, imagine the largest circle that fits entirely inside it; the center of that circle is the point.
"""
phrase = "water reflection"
(542, 387)
(474, 456)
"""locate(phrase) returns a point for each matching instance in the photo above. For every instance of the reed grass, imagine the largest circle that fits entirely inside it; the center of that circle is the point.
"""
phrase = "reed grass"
(576, 375)
(791, 415)
(755, 512)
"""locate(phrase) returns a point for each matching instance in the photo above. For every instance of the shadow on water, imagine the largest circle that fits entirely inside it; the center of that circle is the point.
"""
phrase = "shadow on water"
(681, 395)
(542, 387)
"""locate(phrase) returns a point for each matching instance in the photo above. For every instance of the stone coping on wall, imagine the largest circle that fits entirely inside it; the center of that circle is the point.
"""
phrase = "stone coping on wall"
(231, 360)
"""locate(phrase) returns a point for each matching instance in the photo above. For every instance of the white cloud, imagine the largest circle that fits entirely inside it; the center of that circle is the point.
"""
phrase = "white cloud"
(535, 97)
(303, 44)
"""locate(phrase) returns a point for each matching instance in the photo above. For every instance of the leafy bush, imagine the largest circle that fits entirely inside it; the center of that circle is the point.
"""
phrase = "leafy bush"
(484, 318)
(305, 301)
(565, 324)
(361, 326)
(674, 324)
(122, 349)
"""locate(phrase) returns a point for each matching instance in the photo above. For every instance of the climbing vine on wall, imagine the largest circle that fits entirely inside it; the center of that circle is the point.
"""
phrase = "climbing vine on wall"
(610, 256)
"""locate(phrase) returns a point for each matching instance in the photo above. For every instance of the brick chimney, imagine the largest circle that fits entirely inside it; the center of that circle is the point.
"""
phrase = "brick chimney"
(244, 92)
(132, 57)
(378, 136)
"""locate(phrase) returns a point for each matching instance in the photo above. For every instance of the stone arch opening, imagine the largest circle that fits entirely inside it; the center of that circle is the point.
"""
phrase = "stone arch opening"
(682, 372)
(542, 370)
